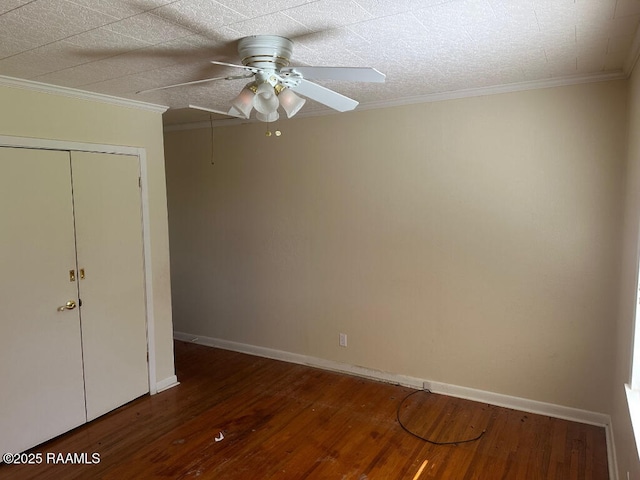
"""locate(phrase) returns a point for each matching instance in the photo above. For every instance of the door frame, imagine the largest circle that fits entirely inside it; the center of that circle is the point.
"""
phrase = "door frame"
(141, 153)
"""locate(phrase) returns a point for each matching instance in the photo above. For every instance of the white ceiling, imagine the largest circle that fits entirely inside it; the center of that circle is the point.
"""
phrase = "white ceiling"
(425, 47)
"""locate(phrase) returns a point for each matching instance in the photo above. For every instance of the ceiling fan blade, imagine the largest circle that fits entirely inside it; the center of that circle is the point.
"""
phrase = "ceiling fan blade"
(219, 112)
(195, 82)
(351, 74)
(244, 67)
(325, 96)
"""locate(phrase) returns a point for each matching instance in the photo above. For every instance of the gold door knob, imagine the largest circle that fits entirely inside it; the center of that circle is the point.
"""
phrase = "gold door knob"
(69, 306)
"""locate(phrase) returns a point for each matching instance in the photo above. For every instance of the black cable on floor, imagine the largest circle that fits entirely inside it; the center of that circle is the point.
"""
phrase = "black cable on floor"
(433, 442)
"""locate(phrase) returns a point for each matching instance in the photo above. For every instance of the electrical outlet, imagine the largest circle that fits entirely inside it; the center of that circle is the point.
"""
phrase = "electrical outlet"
(343, 339)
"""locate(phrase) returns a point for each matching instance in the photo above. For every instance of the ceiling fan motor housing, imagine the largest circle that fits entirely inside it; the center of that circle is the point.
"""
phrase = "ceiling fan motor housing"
(267, 52)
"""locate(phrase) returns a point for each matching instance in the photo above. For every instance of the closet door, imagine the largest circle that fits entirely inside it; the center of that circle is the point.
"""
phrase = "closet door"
(41, 384)
(108, 217)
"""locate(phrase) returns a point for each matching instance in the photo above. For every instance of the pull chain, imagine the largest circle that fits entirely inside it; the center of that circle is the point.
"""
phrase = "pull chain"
(268, 133)
(211, 124)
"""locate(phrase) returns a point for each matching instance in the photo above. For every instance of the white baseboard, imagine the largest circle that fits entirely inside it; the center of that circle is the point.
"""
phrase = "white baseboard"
(167, 383)
(497, 399)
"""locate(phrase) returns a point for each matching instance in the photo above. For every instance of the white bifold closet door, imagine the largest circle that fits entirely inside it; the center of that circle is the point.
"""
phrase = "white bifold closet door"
(64, 215)
(108, 216)
(41, 374)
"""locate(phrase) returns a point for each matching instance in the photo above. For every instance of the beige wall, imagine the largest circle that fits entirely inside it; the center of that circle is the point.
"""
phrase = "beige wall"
(473, 242)
(27, 113)
(625, 444)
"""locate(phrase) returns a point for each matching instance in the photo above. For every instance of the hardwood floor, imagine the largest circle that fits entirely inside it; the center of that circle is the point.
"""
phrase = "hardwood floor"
(236, 416)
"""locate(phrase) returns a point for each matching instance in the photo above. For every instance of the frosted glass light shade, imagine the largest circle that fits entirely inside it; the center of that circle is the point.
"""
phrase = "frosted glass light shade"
(243, 103)
(236, 113)
(291, 102)
(267, 117)
(265, 100)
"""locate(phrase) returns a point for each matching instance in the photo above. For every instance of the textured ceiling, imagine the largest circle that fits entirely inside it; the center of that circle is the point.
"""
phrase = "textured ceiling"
(425, 47)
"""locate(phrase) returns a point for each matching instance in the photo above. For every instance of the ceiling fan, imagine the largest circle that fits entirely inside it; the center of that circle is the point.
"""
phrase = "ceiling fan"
(265, 59)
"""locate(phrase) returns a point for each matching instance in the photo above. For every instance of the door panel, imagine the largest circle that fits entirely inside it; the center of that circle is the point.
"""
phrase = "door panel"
(110, 251)
(41, 376)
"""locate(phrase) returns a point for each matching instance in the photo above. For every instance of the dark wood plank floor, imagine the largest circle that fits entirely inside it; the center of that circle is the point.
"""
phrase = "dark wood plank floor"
(288, 421)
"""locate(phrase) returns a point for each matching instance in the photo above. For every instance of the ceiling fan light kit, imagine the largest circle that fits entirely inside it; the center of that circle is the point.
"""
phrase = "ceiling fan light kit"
(267, 59)
(290, 102)
(267, 117)
(265, 100)
(243, 103)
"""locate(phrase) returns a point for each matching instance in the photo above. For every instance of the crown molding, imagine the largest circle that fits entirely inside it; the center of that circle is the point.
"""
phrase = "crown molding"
(497, 89)
(78, 94)
(206, 124)
(433, 97)
(634, 54)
